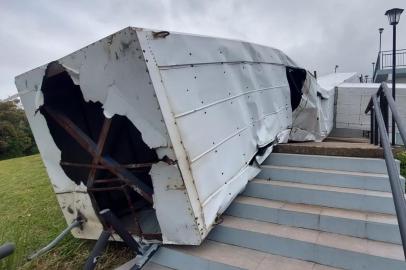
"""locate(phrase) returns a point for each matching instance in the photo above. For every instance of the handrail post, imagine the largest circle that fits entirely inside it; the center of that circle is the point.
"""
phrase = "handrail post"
(376, 133)
(395, 114)
(371, 130)
(384, 109)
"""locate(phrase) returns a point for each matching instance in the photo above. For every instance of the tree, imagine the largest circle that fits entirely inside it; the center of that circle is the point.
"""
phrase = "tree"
(15, 134)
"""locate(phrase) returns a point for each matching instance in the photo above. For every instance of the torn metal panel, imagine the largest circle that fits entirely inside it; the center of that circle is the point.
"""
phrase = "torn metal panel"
(187, 118)
(169, 198)
(313, 119)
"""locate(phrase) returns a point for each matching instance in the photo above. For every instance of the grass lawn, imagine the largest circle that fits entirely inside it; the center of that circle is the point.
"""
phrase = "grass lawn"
(30, 217)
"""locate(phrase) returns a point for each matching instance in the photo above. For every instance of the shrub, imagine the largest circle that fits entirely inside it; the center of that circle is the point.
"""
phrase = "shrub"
(15, 134)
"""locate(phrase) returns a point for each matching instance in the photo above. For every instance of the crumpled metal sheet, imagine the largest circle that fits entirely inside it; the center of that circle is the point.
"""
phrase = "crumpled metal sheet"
(313, 120)
(208, 103)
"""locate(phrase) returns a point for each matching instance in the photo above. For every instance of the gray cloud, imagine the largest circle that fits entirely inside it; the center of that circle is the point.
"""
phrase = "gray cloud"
(317, 34)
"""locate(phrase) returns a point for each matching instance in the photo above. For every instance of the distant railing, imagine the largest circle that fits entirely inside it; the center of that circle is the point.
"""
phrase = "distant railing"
(379, 106)
(387, 56)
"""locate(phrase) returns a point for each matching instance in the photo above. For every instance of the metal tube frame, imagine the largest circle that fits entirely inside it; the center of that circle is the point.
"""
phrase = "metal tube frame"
(395, 113)
(112, 224)
(97, 251)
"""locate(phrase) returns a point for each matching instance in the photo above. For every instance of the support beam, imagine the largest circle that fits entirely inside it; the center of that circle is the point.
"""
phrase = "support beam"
(110, 164)
(99, 150)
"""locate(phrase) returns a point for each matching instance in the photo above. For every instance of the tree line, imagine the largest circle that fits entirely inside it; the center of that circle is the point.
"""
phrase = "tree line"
(16, 138)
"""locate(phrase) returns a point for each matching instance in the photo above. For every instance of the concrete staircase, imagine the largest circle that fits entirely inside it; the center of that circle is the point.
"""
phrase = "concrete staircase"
(302, 212)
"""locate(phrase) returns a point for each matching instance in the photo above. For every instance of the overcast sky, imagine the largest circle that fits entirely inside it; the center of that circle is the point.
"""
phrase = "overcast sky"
(317, 34)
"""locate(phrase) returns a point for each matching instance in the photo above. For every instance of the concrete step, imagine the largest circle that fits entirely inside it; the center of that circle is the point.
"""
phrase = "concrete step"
(153, 266)
(327, 177)
(345, 149)
(213, 255)
(335, 197)
(310, 245)
(349, 164)
(379, 227)
(346, 139)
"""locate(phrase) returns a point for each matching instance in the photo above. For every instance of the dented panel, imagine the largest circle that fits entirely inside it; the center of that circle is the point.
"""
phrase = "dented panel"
(166, 129)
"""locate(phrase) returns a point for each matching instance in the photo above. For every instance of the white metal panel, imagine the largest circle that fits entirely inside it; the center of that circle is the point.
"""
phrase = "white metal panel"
(183, 49)
(221, 108)
(170, 197)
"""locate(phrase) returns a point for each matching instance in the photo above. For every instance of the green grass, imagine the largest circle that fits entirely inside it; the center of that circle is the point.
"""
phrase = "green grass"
(30, 217)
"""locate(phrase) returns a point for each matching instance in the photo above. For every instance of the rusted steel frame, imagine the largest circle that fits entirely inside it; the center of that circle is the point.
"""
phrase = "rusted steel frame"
(88, 145)
(152, 236)
(99, 150)
(120, 229)
(139, 186)
(137, 165)
(138, 230)
(107, 181)
(98, 166)
(101, 189)
(122, 188)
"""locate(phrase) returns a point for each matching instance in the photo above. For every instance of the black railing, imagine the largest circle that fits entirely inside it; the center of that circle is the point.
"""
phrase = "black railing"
(6, 250)
(379, 104)
(386, 59)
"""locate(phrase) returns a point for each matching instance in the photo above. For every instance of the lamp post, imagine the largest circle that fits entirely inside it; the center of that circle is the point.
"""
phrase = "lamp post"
(380, 38)
(380, 47)
(394, 17)
(335, 69)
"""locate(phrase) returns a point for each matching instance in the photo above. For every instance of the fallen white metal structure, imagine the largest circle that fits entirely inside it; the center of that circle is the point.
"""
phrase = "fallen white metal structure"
(165, 129)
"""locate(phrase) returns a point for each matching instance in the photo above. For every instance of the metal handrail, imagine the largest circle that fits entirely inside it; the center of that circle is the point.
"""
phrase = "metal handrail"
(6, 250)
(387, 56)
(379, 128)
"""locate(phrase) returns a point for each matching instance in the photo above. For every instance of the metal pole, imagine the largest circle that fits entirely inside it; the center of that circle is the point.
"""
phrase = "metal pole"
(97, 251)
(376, 132)
(394, 82)
(74, 224)
(371, 130)
(384, 109)
(396, 187)
(395, 114)
(113, 221)
(380, 46)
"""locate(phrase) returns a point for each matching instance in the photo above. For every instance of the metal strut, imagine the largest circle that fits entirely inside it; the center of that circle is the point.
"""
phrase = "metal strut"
(76, 223)
(113, 224)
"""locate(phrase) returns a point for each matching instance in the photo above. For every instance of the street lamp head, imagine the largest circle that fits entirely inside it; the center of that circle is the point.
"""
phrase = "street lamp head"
(394, 15)
(380, 30)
